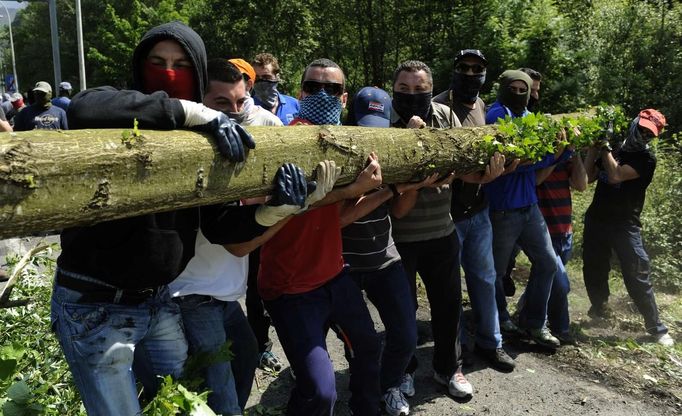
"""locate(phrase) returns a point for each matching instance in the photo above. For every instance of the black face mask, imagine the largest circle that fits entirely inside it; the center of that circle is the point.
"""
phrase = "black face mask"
(533, 104)
(409, 105)
(466, 87)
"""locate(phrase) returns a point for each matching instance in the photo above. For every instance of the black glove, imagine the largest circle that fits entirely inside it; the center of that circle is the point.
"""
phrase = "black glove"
(291, 187)
(230, 137)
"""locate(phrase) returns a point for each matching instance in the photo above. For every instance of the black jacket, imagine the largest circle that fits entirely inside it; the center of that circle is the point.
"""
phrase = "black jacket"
(149, 250)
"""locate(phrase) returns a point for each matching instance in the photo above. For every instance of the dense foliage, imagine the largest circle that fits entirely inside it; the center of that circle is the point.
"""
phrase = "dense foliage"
(590, 51)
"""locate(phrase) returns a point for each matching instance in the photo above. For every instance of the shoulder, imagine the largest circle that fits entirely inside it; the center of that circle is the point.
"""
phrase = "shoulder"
(265, 118)
(442, 98)
(288, 100)
(444, 115)
(496, 111)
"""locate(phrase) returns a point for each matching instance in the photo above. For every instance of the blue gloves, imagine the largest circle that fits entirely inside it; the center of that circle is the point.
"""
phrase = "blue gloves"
(288, 196)
(230, 137)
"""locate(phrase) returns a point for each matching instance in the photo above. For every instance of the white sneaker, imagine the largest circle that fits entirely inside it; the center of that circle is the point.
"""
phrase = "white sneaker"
(407, 385)
(665, 339)
(458, 386)
(395, 403)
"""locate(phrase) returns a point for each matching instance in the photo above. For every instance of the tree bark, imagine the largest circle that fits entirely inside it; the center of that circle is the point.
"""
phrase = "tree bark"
(51, 180)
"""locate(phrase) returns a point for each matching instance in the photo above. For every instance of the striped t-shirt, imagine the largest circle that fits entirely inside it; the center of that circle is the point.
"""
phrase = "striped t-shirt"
(429, 219)
(554, 200)
(367, 243)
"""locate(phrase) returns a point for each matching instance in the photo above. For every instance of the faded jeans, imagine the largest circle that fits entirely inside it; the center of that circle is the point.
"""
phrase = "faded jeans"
(209, 323)
(527, 228)
(99, 340)
(476, 241)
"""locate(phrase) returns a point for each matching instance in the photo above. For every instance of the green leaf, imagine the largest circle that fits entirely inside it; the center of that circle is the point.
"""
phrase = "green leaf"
(19, 392)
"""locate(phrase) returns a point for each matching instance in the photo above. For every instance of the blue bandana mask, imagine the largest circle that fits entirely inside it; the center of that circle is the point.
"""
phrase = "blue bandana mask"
(321, 108)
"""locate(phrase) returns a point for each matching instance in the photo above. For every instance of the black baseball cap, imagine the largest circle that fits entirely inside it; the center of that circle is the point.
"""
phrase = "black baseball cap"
(470, 52)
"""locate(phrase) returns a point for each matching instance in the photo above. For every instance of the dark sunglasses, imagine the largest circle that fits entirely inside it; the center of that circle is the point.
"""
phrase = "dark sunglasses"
(464, 68)
(313, 87)
(517, 90)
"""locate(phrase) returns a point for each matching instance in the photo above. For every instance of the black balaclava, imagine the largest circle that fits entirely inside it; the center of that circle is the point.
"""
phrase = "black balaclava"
(517, 103)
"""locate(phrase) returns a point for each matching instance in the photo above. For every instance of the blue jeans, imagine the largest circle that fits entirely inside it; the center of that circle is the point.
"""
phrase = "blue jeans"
(476, 241)
(558, 316)
(209, 323)
(626, 240)
(389, 291)
(527, 228)
(302, 320)
(99, 339)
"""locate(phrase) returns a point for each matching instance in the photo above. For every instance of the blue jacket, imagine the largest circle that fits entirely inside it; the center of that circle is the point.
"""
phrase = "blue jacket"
(498, 110)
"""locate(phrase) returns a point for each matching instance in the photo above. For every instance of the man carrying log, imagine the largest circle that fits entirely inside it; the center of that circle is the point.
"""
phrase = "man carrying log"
(110, 292)
(304, 283)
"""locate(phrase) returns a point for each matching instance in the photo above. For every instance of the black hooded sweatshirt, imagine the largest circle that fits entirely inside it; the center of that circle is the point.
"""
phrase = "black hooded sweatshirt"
(149, 250)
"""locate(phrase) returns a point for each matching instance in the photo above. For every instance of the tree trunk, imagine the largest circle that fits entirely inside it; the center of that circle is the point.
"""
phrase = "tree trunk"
(52, 180)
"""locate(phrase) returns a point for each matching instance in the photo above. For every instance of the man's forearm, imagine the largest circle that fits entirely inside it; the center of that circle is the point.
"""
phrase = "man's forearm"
(242, 249)
(352, 210)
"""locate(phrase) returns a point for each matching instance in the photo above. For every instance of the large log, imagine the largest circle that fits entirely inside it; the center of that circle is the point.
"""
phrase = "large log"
(52, 180)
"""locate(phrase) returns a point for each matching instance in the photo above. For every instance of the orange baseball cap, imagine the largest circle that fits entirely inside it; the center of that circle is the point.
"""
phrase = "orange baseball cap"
(652, 120)
(244, 67)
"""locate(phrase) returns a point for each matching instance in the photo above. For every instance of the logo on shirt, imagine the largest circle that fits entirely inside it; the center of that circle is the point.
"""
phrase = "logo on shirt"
(46, 120)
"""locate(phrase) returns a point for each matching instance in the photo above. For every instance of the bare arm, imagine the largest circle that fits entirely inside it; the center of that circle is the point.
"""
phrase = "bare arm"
(370, 178)
(617, 173)
(591, 164)
(353, 209)
(578, 178)
(242, 249)
(5, 126)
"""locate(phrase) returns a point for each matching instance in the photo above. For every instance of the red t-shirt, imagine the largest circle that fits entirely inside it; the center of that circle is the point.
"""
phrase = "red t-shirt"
(554, 200)
(304, 255)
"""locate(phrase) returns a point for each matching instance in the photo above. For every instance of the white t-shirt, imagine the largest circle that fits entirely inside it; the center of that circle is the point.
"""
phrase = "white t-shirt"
(261, 117)
(213, 271)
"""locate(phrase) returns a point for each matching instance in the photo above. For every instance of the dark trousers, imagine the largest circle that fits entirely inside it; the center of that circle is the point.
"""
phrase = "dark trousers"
(301, 322)
(255, 312)
(626, 240)
(437, 262)
(389, 290)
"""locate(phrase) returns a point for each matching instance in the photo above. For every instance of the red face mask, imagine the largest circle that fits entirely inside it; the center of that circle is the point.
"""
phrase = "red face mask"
(177, 83)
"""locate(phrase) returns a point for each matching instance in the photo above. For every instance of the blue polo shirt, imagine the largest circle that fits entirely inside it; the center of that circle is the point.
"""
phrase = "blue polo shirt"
(517, 189)
(62, 102)
(288, 106)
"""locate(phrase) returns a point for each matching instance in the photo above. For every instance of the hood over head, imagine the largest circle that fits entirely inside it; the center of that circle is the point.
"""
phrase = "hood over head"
(190, 41)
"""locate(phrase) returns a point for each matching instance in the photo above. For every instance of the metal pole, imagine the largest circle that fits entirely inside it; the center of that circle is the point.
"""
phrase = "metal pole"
(81, 54)
(55, 44)
(11, 45)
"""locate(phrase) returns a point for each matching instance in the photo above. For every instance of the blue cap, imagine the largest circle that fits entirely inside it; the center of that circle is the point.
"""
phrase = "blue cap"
(372, 107)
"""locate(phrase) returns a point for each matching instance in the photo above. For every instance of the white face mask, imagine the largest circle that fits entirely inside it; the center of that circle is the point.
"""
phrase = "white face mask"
(266, 92)
(240, 116)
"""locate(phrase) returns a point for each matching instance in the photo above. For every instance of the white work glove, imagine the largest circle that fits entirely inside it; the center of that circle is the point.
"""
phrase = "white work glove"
(288, 196)
(326, 176)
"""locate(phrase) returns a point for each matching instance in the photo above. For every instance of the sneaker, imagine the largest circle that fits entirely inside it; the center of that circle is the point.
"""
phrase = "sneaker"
(509, 328)
(407, 385)
(543, 337)
(600, 311)
(269, 362)
(664, 339)
(498, 358)
(395, 403)
(458, 386)
(565, 338)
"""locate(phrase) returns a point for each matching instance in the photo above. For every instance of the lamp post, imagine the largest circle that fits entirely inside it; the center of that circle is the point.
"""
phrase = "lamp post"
(11, 45)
